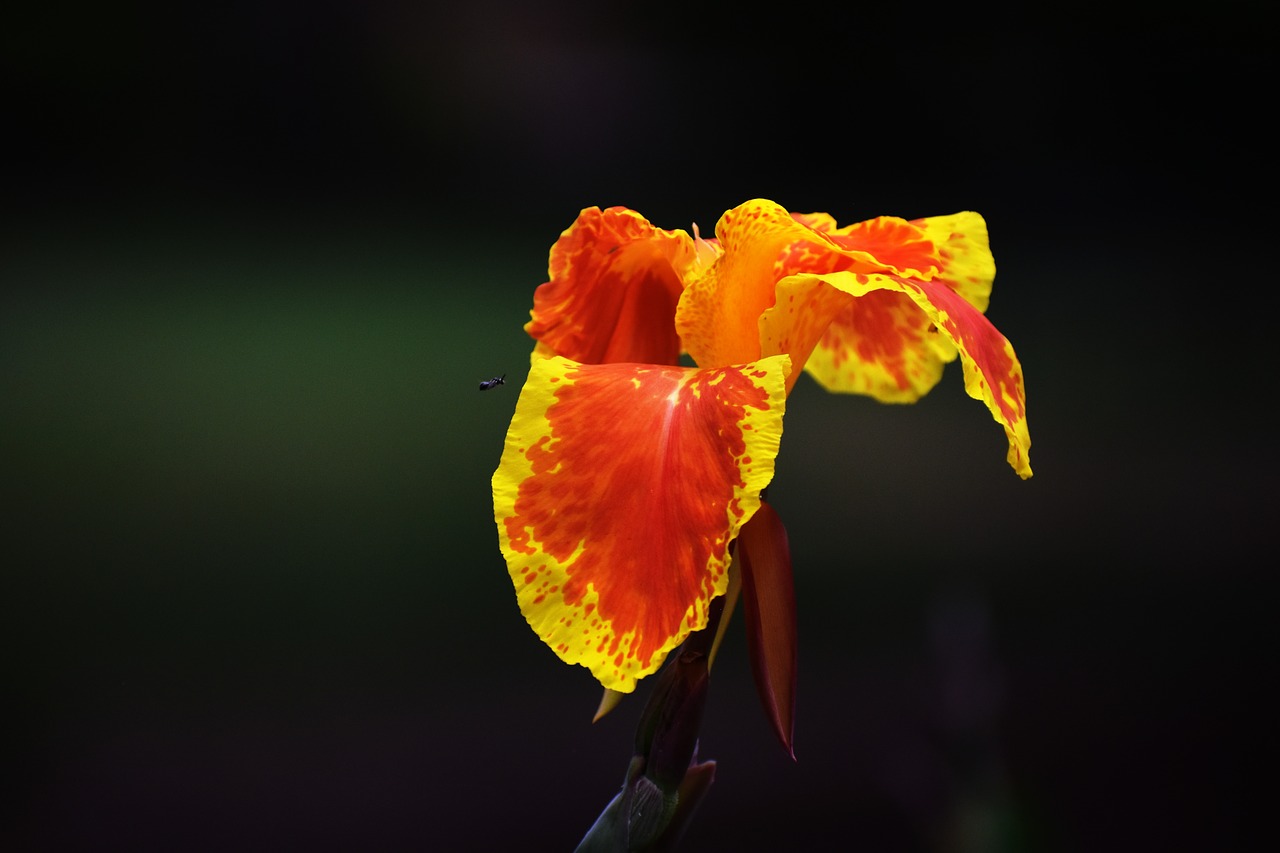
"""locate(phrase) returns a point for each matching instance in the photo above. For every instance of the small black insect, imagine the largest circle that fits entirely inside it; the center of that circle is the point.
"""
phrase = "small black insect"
(494, 382)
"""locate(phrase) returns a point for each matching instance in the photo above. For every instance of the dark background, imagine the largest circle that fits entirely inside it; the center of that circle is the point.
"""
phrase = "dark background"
(256, 257)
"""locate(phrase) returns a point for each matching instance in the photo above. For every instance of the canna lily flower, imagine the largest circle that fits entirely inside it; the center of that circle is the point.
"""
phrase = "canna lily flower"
(626, 477)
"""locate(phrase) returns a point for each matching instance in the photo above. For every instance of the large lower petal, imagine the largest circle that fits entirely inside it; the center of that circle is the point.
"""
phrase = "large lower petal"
(614, 280)
(807, 304)
(619, 491)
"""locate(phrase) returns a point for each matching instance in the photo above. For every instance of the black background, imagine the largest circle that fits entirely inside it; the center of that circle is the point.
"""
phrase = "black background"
(256, 257)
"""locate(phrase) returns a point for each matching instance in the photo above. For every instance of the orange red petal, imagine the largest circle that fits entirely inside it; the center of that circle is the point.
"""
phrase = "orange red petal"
(614, 280)
(619, 491)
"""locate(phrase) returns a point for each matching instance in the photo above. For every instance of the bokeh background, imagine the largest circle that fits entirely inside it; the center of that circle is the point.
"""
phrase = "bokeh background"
(257, 256)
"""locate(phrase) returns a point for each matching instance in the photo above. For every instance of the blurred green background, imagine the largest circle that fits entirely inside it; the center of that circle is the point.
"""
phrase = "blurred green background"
(256, 260)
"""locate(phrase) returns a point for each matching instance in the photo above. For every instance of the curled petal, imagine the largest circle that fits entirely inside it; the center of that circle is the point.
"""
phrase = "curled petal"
(992, 372)
(614, 283)
(619, 491)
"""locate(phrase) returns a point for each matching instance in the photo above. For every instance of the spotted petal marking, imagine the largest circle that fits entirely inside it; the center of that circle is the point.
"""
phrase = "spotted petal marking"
(620, 489)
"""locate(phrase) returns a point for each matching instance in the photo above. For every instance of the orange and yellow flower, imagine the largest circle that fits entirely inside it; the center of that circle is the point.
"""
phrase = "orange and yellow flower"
(626, 477)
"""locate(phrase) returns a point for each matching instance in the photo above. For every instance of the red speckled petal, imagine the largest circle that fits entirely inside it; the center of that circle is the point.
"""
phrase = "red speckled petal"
(614, 283)
(761, 243)
(882, 344)
(883, 244)
(619, 491)
(992, 373)
(964, 253)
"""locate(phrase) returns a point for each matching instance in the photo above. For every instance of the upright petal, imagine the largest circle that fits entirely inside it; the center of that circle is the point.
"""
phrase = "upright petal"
(619, 491)
(721, 304)
(614, 280)
(992, 373)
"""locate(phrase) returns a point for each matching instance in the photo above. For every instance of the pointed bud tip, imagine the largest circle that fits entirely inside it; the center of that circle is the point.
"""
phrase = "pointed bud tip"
(610, 700)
